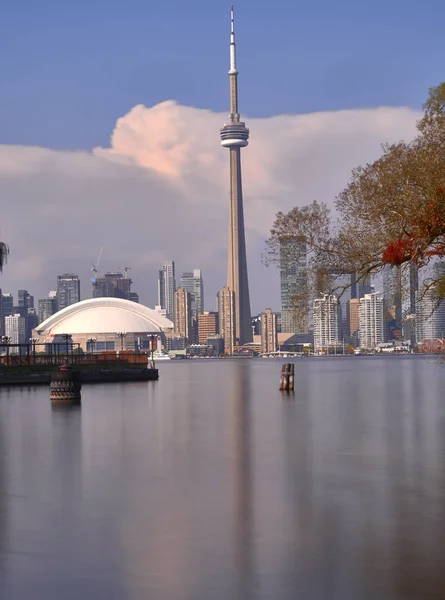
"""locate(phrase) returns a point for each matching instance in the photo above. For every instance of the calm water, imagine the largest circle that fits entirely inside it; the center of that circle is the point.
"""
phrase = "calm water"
(210, 484)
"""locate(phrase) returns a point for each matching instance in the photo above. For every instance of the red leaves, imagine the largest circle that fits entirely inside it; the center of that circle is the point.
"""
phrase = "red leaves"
(426, 235)
(398, 252)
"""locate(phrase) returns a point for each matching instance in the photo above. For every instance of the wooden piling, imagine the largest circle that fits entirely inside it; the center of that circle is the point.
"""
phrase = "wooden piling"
(287, 377)
(65, 386)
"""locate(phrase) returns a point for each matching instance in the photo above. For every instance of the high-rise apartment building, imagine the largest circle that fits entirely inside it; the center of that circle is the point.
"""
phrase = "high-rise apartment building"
(207, 326)
(167, 288)
(327, 323)
(371, 327)
(269, 336)
(294, 287)
(235, 135)
(68, 290)
(226, 315)
(192, 283)
(15, 330)
(183, 315)
(352, 312)
(112, 285)
(47, 307)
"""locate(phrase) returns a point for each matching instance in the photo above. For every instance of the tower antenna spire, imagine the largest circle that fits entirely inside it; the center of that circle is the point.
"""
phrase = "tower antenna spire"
(233, 70)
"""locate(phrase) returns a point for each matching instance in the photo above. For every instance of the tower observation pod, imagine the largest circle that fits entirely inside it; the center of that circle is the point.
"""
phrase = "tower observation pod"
(234, 136)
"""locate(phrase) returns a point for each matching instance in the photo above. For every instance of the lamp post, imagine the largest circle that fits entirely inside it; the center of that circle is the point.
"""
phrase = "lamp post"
(92, 342)
(6, 340)
(66, 337)
(153, 340)
(122, 335)
(33, 342)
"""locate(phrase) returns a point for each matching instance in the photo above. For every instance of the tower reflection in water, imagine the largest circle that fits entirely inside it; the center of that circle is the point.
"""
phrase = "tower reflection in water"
(243, 495)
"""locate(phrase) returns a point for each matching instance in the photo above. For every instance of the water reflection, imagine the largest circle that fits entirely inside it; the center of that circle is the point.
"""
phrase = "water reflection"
(211, 484)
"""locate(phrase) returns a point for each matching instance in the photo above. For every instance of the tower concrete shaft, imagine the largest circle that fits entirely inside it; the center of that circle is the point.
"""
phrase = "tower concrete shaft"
(235, 135)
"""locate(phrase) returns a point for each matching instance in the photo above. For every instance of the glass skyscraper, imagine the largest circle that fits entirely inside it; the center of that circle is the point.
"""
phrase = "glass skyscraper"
(294, 287)
(167, 288)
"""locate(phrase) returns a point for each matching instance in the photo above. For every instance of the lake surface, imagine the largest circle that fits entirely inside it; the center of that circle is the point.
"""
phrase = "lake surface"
(212, 484)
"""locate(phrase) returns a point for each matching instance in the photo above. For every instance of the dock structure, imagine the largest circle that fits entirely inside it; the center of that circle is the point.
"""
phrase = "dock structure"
(25, 366)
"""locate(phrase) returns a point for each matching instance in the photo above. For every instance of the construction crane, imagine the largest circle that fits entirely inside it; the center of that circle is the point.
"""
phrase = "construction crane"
(125, 269)
(95, 266)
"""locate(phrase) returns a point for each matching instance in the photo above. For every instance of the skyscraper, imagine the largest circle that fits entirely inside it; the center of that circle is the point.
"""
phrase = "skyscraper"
(235, 135)
(192, 282)
(371, 329)
(430, 310)
(68, 290)
(167, 288)
(294, 287)
(327, 323)
(269, 337)
(226, 315)
(183, 314)
(25, 300)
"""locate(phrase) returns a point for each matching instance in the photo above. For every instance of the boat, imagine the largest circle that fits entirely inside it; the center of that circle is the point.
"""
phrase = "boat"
(160, 356)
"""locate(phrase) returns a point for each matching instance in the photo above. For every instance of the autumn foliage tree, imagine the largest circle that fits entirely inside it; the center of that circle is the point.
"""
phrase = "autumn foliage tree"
(392, 212)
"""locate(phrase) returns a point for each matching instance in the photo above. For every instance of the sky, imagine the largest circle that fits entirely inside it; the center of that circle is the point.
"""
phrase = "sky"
(110, 115)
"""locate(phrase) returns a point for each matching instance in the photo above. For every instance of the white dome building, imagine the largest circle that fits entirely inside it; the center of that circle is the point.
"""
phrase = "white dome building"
(102, 324)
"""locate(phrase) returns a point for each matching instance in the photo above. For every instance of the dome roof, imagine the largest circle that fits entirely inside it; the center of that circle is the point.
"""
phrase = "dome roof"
(105, 315)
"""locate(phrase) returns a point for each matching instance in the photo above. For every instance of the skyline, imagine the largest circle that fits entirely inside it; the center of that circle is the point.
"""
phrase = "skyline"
(138, 195)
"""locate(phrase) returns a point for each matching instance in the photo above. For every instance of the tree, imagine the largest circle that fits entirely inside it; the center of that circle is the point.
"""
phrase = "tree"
(392, 212)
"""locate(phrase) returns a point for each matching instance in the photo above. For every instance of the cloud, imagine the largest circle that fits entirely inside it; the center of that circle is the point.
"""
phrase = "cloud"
(160, 191)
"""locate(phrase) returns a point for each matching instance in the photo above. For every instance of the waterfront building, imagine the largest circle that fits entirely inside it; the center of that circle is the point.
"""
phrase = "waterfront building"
(327, 323)
(215, 344)
(294, 287)
(112, 285)
(167, 288)
(68, 290)
(183, 315)
(371, 327)
(99, 324)
(15, 330)
(234, 136)
(226, 316)
(269, 336)
(352, 314)
(207, 326)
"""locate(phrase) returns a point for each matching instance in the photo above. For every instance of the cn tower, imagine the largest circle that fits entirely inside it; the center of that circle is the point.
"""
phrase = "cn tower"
(234, 136)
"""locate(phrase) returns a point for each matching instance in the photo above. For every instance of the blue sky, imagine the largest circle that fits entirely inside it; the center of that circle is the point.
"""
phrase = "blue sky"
(68, 70)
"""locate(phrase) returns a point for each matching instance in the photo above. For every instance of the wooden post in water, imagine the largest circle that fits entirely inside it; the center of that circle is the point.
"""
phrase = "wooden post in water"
(287, 377)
